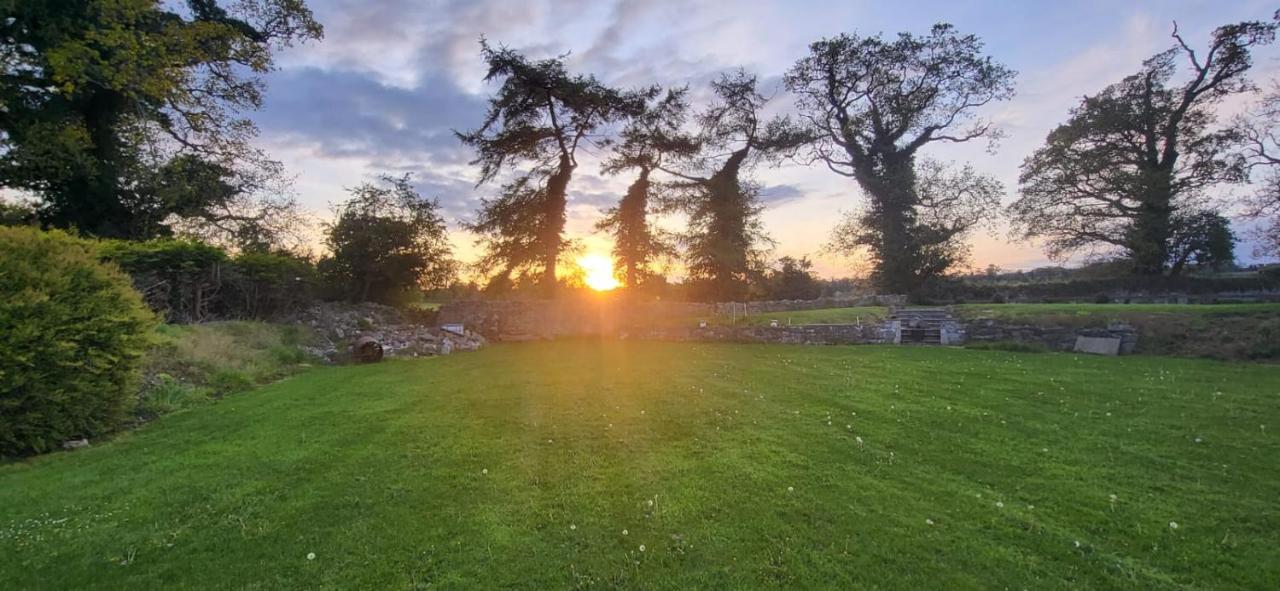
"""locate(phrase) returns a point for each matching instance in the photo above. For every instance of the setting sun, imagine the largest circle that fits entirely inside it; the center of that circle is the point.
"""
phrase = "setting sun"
(597, 271)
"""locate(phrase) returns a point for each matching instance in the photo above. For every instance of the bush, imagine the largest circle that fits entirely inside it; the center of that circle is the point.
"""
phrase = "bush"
(180, 279)
(187, 281)
(264, 285)
(72, 333)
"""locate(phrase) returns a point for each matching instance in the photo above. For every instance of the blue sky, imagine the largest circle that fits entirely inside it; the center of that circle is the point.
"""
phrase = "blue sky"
(392, 78)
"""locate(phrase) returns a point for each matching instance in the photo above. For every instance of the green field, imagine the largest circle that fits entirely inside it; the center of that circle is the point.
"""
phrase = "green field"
(651, 465)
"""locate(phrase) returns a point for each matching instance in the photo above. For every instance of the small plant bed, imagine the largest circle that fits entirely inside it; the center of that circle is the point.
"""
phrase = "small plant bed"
(189, 365)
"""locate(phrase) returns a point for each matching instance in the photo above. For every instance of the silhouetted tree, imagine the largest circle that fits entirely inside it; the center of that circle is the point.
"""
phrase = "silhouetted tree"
(1128, 171)
(792, 279)
(1260, 130)
(949, 204)
(540, 116)
(386, 239)
(107, 106)
(1201, 240)
(648, 139)
(873, 104)
(725, 233)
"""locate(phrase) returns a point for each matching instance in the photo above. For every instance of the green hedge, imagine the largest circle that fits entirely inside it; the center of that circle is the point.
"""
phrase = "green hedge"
(188, 281)
(72, 334)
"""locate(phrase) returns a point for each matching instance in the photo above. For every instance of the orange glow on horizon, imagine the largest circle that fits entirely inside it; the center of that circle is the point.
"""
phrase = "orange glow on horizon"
(597, 272)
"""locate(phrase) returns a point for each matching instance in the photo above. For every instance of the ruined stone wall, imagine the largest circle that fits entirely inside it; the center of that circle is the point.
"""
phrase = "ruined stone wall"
(536, 319)
(811, 334)
(1053, 338)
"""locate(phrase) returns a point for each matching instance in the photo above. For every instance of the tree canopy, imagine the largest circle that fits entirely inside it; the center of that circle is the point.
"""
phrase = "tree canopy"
(539, 118)
(653, 136)
(1129, 170)
(121, 114)
(872, 104)
(1260, 131)
(725, 235)
(387, 239)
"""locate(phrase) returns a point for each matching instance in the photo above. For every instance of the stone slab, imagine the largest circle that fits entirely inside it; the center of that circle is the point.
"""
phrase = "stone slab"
(1098, 345)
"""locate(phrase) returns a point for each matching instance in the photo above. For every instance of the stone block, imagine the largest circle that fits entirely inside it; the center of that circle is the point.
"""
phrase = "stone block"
(1098, 345)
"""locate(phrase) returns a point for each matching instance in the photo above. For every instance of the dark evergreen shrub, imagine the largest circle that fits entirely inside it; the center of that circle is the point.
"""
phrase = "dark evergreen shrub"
(72, 334)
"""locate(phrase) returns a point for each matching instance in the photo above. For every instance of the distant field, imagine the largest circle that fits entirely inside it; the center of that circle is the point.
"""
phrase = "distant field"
(678, 466)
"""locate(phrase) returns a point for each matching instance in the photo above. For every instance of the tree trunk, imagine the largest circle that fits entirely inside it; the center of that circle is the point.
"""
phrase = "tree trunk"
(634, 241)
(553, 224)
(1152, 228)
(728, 228)
(892, 218)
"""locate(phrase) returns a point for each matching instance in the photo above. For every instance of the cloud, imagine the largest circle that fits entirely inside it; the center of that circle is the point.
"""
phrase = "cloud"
(346, 113)
(773, 195)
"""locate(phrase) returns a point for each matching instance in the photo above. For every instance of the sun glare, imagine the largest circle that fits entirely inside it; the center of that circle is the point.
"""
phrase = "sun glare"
(597, 270)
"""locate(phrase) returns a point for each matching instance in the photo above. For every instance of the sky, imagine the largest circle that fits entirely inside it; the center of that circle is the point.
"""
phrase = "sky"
(392, 78)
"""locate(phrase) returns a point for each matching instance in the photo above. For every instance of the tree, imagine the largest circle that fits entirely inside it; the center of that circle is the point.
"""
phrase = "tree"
(1203, 240)
(950, 203)
(386, 239)
(102, 100)
(540, 116)
(1260, 130)
(872, 105)
(1129, 170)
(792, 279)
(725, 233)
(650, 138)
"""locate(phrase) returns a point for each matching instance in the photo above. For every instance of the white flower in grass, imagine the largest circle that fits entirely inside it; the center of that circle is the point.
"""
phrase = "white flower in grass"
(1173, 525)
(484, 471)
(1113, 498)
(999, 505)
(311, 555)
(624, 532)
(572, 527)
(928, 521)
(642, 547)
(858, 439)
(791, 489)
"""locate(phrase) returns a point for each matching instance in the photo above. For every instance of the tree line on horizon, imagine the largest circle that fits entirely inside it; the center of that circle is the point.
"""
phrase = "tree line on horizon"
(129, 123)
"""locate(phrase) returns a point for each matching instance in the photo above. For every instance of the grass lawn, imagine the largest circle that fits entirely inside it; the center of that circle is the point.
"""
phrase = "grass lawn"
(658, 465)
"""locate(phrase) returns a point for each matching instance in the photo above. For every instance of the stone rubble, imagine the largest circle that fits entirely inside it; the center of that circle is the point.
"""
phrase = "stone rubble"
(338, 325)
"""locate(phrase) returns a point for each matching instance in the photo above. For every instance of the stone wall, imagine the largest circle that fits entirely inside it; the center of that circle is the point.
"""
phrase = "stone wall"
(606, 316)
(677, 321)
(1053, 338)
(811, 334)
(752, 308)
